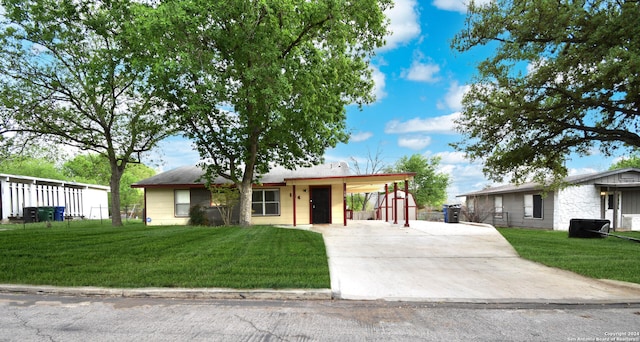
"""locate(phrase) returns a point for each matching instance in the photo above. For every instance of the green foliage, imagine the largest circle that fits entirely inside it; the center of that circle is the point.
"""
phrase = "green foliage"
(267, 83)
(225, 197)
(88, 168)
(609, 258)
(357, 202)
(563, 81)
(429, 187)
(89, 254)
(33, 167)
(67, 76)
(95, 169)
(631, 161)
(198, 216)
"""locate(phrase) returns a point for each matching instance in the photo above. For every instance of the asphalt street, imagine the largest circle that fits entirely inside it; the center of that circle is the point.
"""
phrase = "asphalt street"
(32, 317)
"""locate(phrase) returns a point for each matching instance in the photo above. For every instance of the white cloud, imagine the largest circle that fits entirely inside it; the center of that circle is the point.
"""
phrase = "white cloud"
(582, 171)
(379, 80)
(422, 72)
(455, 157)
(440, 124)
(361, 136)
(453, 99)
(404, 23)
(414, 143)
(456, 5)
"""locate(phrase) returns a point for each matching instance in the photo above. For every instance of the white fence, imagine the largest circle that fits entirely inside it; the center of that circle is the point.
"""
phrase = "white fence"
(79, 200)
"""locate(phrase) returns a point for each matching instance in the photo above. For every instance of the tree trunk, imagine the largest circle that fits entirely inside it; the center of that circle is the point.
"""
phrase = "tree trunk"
(114, 182)
(246, 193)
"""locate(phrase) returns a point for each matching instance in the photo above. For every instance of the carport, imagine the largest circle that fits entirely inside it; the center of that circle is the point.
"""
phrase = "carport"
(358, 184)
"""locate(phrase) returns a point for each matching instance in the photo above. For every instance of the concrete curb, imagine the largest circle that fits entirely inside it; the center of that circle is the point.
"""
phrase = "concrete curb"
(172, 293)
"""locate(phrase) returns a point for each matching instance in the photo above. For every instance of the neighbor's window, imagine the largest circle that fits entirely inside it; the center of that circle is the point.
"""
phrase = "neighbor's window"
(266, 202)
(533, 206)
(183, 202)
(471, 204)
(610, 201)
(497, 210)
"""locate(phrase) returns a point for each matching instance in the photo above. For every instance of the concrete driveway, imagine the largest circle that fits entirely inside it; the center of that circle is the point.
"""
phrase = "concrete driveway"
(434, 261)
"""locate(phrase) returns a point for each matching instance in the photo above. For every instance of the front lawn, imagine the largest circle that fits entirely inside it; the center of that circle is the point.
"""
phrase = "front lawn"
(607, 258)
(93, 254)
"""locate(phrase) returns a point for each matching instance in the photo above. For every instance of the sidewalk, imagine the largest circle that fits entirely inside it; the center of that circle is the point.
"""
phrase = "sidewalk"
(438, 262)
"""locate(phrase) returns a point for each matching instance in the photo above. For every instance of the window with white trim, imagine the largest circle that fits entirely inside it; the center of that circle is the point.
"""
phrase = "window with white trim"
(182, 202)
(533, 206)
(265, 202)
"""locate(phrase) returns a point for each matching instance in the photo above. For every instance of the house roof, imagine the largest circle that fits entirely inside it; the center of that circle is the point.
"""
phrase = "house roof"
(572, 180)
(190, 176)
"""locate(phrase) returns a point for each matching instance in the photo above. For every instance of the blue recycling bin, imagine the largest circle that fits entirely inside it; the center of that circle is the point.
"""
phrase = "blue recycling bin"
(445, 211)
(58, 214)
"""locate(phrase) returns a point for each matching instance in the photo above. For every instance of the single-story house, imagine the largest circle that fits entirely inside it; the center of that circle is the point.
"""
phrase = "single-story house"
(391, 206)
(79, 199)
(313, 195)
(613, 195)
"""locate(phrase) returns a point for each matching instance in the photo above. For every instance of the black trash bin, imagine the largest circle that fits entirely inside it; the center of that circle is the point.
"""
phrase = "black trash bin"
(451, 213)
(589, 228)
(454, 213)
(30, 214)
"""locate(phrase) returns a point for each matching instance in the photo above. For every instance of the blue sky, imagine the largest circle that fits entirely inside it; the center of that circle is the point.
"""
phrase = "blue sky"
(420, 82)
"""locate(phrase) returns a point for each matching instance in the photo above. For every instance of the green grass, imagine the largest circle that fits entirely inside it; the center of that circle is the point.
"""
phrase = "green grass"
(607, 258)
(93, 254)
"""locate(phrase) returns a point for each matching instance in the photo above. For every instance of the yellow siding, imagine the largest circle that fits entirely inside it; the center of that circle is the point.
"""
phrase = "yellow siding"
(302, 205)
(337, 204)
(286, 207)
(160, 208)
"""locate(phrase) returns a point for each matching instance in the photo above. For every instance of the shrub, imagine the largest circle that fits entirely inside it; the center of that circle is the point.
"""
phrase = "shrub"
(198, 216)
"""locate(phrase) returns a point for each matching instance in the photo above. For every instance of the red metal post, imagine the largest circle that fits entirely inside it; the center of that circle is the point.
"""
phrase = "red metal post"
(395, 202)
(386, 202)
(406, 203)
(344, 202)
(294, 205)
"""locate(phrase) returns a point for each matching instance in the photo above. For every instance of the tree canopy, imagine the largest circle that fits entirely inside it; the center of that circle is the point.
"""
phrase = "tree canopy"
(258, 83)
(564, 81)
(66, 76)
(429, 187)
(632, 160)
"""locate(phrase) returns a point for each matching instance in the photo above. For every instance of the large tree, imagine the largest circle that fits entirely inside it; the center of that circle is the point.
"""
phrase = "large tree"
(64, 74)
(429, 187)
(261, 82)
(95, 169)
(564, 81)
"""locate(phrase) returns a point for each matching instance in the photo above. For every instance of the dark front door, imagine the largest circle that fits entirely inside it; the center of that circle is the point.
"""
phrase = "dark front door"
(320, 204)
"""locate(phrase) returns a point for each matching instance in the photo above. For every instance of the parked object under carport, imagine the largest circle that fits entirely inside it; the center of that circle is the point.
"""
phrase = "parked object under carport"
(593, 228)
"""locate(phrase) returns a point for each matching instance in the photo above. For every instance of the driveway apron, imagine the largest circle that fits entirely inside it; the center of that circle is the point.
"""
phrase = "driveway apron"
(433, 261)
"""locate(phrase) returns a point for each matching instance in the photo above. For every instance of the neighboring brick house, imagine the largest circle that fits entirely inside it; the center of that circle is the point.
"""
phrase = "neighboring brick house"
(612, 195)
